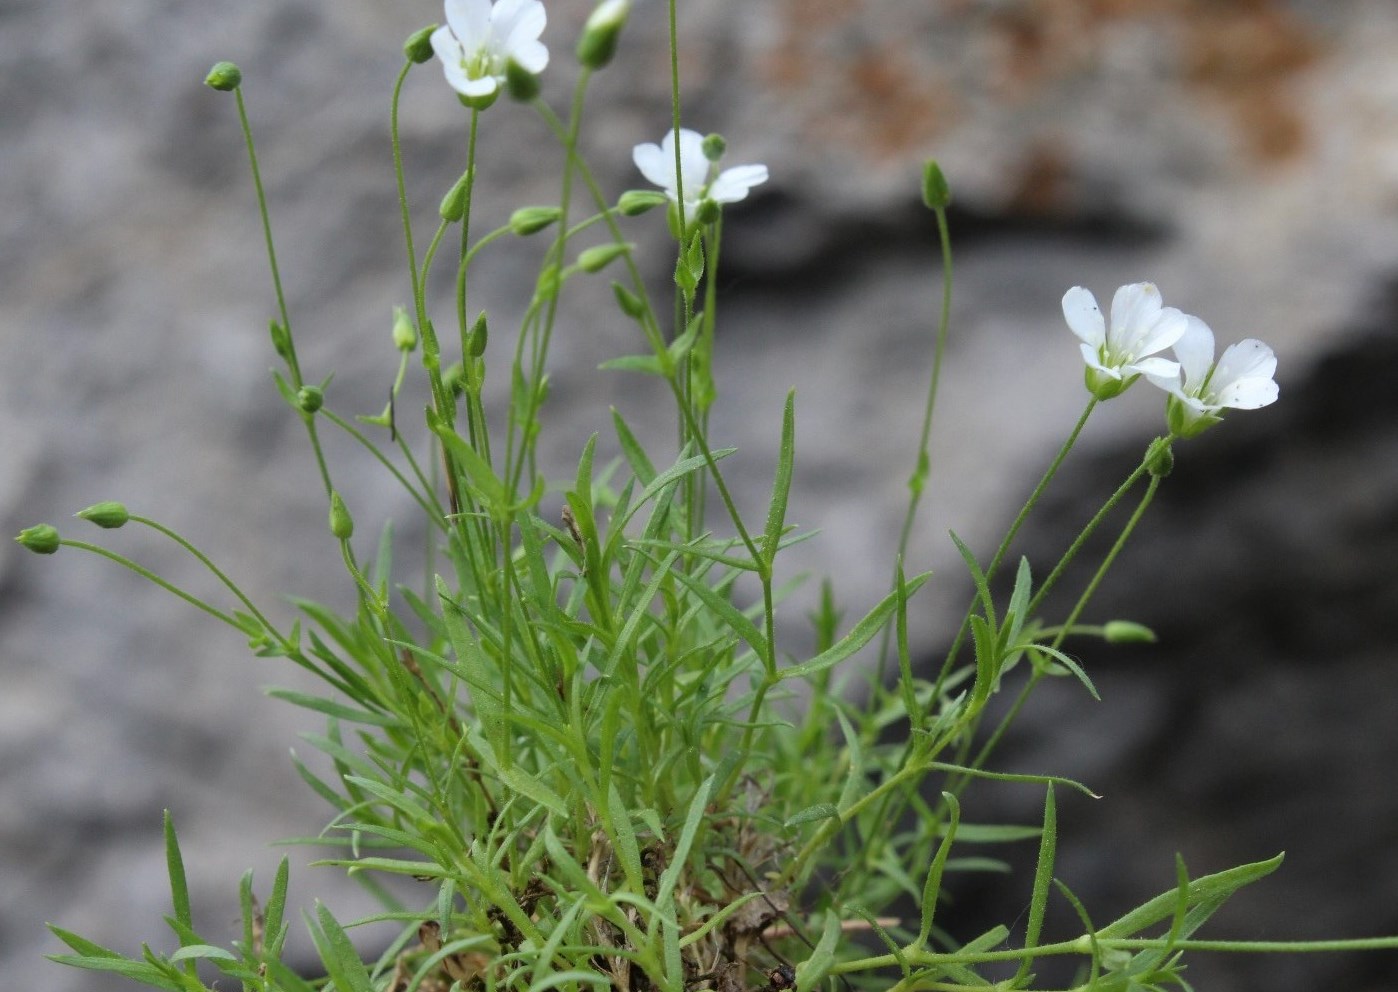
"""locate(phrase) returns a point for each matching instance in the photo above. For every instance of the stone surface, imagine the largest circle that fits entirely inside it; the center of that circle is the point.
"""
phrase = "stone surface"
(1242, 154)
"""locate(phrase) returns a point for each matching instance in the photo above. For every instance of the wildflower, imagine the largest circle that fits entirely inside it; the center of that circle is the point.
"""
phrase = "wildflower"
(598, 42)
(1200, 387)
(480, 40)
(1120, 353)
(657, 163)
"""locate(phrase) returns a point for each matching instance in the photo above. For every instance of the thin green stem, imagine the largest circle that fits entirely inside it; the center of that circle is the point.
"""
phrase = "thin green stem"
(146, 573)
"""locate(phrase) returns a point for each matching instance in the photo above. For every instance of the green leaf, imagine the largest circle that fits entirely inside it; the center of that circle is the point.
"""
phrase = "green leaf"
(1209, 891)
(331, 708)
(1043, 879)
(820, 811)
(862, 633)
(979, 580)
(812, 971)
(138, 971)
(1071, 665)
(342, 962)
(932, 888)
(623, 837)
(193, 952)
(636, 456)
(666, 887)
(645, 364)
(174, 864)
(781, 486)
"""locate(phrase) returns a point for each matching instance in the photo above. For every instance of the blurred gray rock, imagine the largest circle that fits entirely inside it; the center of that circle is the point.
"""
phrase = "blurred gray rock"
(1242, 154)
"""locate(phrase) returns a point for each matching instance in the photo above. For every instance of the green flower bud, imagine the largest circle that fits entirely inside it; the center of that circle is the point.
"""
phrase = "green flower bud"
(479, 102)
(714, 146)
(935, 191)
(341, 524)
(708, 211)
(598, 42)
(1127, 632)
(598, 257)
(108, 515)
(404, 333)
(476, 340)
(224, 76)
(635, 202)
(453, 206)
(629, 302)
(531, 220)
(418, 47)
(547, 285)
(309, 399)
(41, 539)
(454, 379)
(522, 84)
(281, 339)
(1160, 457)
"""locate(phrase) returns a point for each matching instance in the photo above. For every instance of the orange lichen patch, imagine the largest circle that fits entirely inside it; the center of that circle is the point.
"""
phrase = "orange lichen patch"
(893, 105)
(1043, 182)
(1246, 55)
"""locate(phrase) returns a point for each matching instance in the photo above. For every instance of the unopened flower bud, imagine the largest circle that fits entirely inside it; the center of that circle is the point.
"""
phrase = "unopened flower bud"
(522, 84)
(598, 257)
(281, 339)
(1160, 458)
(418, 47)
(404, 333)
(598, 42)
(714, 146)
(41, 539)
(635, 202)
(476, 340)
(453, 206)
(629, 302)
(109, 515)
(935, 191)
(1127, 632)
(224, 76)
(708, 211)
(309, 399)
(454, 378)
(341, 524)
(531, 220)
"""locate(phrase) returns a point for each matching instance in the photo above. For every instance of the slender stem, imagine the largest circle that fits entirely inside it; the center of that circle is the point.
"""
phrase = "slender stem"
(917, 483)
(218, 573)
(398, 176)
(146, 573)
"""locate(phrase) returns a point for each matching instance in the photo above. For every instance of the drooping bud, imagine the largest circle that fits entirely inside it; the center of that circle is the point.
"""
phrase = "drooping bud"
(531, 220)
(935, 191)
(109, 515)
(41, 539)
(714, 146)
(341, 524)
(635, 202)
(522, 84)
(453, 206)
(454, 378)
(418, 47)
(598, 257)
(1160, 457)
(708, 211)
(597, 45)
(404, 333)
(1127, 632)
(309, 399)
(224, 76)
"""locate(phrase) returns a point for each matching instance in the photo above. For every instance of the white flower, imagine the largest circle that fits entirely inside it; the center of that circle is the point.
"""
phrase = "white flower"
(1240, 380)
(479, 40)
(1119, 353)
(657, 163)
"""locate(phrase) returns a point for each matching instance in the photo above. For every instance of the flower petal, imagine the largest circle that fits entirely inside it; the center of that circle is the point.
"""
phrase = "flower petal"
(1134, 307)
(1163, 329)
(1247, 359)
(469, 20)
(694, 166)
(1084, 318)
(532, 56)
(1091, 359)
(656, 165)
(1154, 367)
(1195, 351)
(733, 184)
(518, 24)
(1249, 393)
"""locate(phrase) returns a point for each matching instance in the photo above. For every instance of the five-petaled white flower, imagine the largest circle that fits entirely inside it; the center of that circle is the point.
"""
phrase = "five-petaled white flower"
(1241, 379)
(657, 163)
(479, 40)
(1119, 353)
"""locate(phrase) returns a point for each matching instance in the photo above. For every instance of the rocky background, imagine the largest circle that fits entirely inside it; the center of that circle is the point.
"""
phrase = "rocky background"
(1243, 154)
